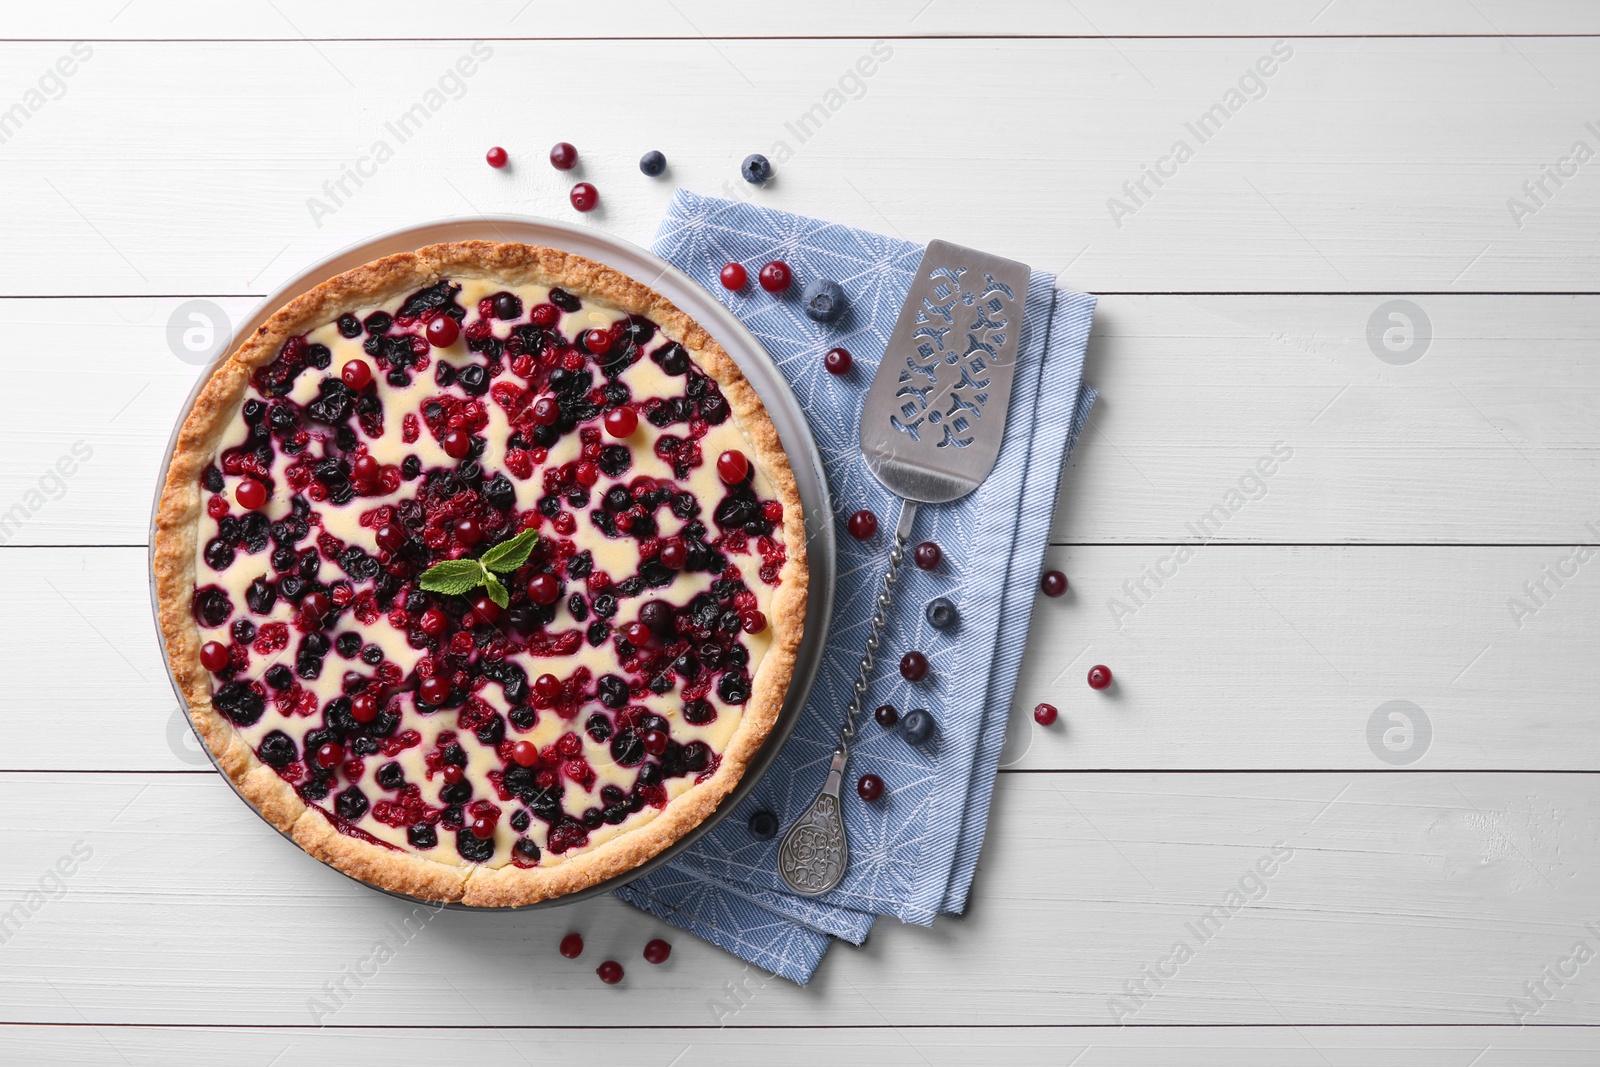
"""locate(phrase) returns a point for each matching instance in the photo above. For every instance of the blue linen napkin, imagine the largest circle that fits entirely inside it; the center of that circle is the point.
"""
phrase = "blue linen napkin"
(912, 854)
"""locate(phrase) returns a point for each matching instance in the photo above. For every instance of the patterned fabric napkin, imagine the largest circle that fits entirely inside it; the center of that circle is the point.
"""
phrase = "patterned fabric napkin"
(912, 853)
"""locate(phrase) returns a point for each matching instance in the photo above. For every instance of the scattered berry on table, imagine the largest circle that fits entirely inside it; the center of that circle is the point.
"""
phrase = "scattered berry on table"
(584, 196)
(913, 666)
(734, 276)
(443, 331)
(1044, 714)
(886, 715)
(572, 946)
(755, 169)
(1054, 583)
(733, 467)
(823, 300)
(214, 655)
(776, 276)
(941, 613)
(870, 786)
(917, 726)
(620, 422)
(862, 525)
(610, 972)
(927, 555)
(250, 494)
(563, 156)
(652, 164)
(763, 824)
(837, 361)
(356, 374)
(656, 951)
(1099, 676)
(497, 157)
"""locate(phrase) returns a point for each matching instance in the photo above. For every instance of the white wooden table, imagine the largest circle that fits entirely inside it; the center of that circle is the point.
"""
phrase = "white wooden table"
(1415, 542)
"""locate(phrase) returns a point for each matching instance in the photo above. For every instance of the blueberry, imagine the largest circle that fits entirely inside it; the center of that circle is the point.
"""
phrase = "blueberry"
(763, 824)
(941, 613)
(756, 169)
(652, 164)
(823, 300)
(917, 726)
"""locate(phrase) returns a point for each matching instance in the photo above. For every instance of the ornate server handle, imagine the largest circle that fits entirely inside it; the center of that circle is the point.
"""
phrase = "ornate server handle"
(815, 852)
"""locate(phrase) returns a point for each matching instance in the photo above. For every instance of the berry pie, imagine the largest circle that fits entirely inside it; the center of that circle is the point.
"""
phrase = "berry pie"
(483, 570)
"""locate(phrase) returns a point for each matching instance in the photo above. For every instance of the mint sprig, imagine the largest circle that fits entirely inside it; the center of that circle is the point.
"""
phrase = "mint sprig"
(456, 576)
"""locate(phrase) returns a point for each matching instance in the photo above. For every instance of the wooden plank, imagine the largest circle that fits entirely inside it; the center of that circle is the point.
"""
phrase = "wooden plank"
(1248, 657)
(1389, 898)
(1296, 190)
(955, 1046)
(1488, 437)
(114, 19)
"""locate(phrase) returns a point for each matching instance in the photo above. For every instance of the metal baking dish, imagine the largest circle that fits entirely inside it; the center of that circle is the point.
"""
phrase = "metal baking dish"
(746, 351)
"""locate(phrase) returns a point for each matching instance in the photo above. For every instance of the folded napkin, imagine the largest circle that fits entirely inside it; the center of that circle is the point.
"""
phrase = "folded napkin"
(912, 853)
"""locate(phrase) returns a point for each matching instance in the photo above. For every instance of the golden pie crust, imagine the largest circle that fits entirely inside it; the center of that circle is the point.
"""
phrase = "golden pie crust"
(176, 537)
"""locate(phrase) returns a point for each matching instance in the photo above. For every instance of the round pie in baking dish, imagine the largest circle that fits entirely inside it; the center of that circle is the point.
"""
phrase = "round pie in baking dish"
(483, 570)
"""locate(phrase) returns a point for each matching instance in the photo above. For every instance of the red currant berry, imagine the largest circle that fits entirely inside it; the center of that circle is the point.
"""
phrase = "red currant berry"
(544, 589)
(637, 633)
(391, 538)
(733, 467)
(563, 156)
(656, 951)
(862, 525)
(913, 666)
(314, 607)
(837, 361)
(870, 786)
(364, 707)
(330, 755)
(547, 687)
(250, 494)
(1054, 583)
(1099, 676)
(927, 555)
(434, 690)
(886, 715)
(217, 507)
(468, 532)
(483, 828)
(775, 276)
(1044, 714)
(545, 315)
(443, 331)
(572, 946)
(433, 622)
(752, 621)
(214, 656)
(356, 374)
(655, 741)
(620, 422)
(457, 443)
(546, 410)
(674, 556)
(525, 753)
(496, 157)
(597, 341)
(610, 972)
(366, 468)
(586, 473)
(453, 775)
(487, 612)
(734, 276)
(584, 196)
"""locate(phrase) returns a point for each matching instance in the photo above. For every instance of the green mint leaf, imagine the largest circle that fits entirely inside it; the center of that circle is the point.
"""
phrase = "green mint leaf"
(509, 555)
(497, 592)
(453, 576)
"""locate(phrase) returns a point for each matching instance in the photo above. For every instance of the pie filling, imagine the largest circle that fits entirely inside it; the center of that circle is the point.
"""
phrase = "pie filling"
(412, 719)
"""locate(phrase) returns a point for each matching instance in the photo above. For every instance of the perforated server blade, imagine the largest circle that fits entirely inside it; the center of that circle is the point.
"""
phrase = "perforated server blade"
(931, 429)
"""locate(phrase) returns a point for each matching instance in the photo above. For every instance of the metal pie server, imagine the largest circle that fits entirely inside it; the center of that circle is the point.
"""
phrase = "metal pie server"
(931, 429)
